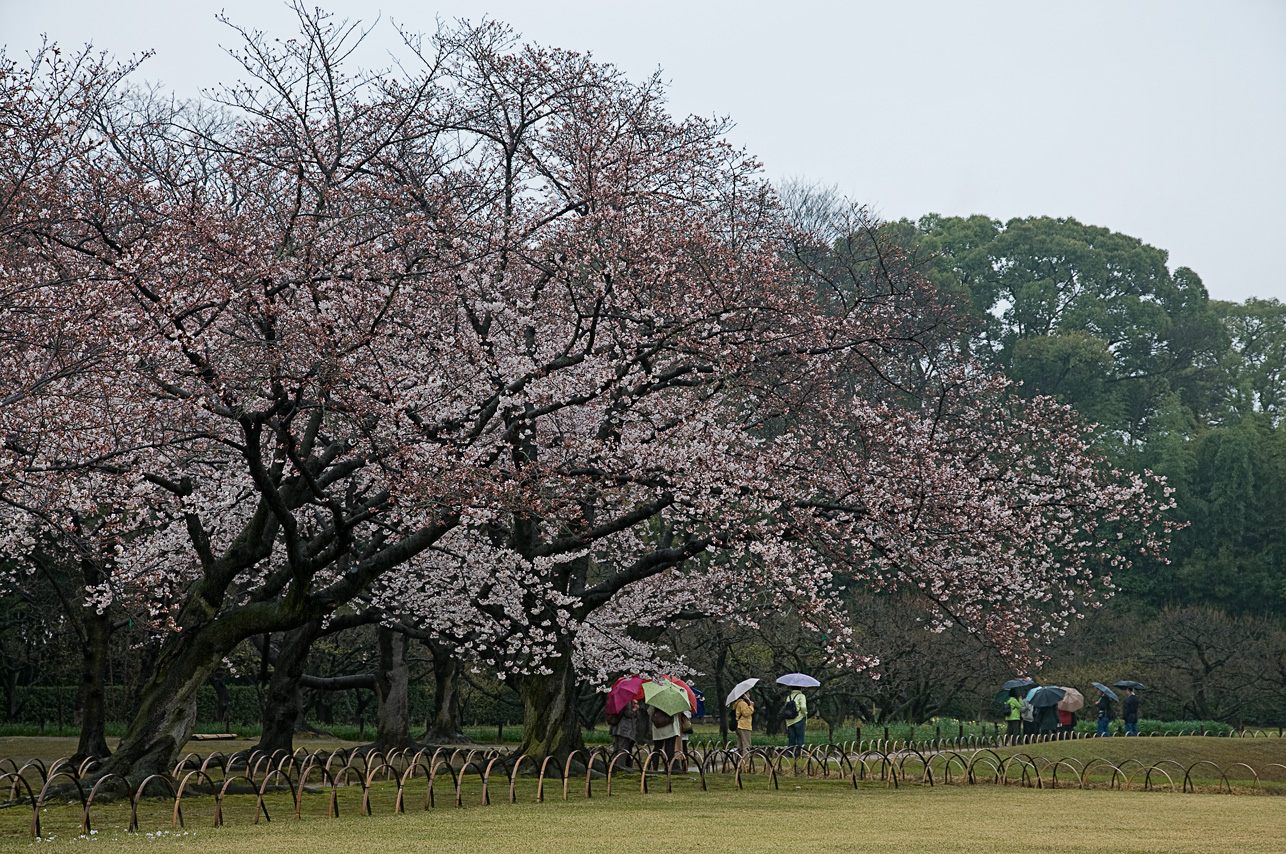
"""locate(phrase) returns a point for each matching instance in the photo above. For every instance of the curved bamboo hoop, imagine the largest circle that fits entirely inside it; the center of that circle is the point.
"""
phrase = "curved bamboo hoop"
(459, 782)
(430, 799)
(44, 790)
(567, 772)
(1071, 763)
(407, 776)
(1147, 778)
(263, 787)
(222, 763)
(513, 775)
(341, 779)
(1117, 772)
(18, 778)
(85, 826)
(138, 796)
(748, 760)
(368, 778)
(333, 808)
(181, 765)
(39, 766)
(1258, 787)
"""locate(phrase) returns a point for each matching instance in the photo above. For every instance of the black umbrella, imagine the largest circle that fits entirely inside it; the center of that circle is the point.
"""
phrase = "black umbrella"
(1016, 683)
(1128, 683)
(1106, 690)
(1047, 696)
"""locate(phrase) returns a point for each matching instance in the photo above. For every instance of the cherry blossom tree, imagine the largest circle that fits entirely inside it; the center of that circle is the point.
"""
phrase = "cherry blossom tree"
(499, 343)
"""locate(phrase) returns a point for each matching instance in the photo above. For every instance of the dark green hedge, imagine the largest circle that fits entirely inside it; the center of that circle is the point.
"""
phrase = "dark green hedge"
(57, 706)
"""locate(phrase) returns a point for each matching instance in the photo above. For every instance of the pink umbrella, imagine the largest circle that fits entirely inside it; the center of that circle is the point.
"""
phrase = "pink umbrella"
(623, 690)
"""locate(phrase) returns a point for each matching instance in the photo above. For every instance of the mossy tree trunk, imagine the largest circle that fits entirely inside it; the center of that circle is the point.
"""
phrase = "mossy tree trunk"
(551, 726)
(166, 713)
(283, 704)
(392, 689)
(92, 701)
(447, 724)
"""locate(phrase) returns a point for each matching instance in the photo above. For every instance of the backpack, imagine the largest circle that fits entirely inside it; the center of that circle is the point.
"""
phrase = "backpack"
(1027, 712)
(661, 720)
(789, 710)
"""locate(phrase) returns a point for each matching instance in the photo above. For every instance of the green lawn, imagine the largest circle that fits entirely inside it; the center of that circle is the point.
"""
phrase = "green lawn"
(804, 815)
(817, 817)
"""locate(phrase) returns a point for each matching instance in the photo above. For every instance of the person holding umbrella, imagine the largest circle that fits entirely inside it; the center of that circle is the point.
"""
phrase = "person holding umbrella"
(1130, 710)
(743, 710)
(1105, 714)
(667, 701)
(795, 709)
(1013, 703)
(624, 731)
(1029, 718)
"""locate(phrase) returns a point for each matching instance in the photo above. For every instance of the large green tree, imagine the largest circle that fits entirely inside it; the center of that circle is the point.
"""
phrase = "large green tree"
(1081, 312)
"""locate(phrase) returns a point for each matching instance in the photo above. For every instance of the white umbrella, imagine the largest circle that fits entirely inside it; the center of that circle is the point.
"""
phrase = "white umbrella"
(798, 680)
(742, 687)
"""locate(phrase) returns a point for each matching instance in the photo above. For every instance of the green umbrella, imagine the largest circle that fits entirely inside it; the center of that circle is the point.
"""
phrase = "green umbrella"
(666, 696)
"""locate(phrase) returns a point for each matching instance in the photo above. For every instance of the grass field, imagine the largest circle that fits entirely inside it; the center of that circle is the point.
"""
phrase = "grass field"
(804, 815)
(814, 818)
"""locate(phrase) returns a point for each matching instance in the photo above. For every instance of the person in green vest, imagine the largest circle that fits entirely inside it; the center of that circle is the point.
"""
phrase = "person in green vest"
(1013, 718)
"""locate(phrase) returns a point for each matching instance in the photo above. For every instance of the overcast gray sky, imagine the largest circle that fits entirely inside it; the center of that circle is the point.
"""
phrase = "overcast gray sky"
(1163, 120)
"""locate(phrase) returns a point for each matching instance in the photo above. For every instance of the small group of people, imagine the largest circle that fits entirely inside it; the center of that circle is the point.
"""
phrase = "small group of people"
(1024, 717)
(634, 722)
(637, 723)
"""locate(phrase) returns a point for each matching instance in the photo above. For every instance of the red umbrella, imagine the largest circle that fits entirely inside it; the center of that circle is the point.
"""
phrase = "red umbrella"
(623, 690)
(692, 697)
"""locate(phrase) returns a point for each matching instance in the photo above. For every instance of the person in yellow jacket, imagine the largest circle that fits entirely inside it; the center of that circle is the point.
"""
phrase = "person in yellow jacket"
(795, 724)
(744, 710)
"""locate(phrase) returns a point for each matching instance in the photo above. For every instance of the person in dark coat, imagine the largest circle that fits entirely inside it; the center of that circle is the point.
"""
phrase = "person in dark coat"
(1047, 720)
(1105, 714)
(624, 732)
(1130, 711)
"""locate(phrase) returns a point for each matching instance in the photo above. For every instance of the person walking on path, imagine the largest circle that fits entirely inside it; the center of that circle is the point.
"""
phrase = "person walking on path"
(795, 724)
(744, 712)
(1130, 711)
(1104, 713)
(1013, 718)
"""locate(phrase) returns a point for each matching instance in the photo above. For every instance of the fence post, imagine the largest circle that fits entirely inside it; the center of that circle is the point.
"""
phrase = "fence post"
(500, 733)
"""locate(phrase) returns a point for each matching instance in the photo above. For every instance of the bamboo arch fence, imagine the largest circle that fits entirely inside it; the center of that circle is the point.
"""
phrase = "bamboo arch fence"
(485, 776)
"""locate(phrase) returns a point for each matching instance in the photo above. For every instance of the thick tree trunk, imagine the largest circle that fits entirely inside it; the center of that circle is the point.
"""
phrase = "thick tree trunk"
(550, 724)
(283, 703)
(166, 708)
(447, 725)
(92, 701)
(392, 688)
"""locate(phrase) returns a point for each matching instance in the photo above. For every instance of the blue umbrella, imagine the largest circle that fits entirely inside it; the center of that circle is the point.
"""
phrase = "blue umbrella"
(798, 680)
(1016, 683)
(1128, 683)
(1106, 690)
